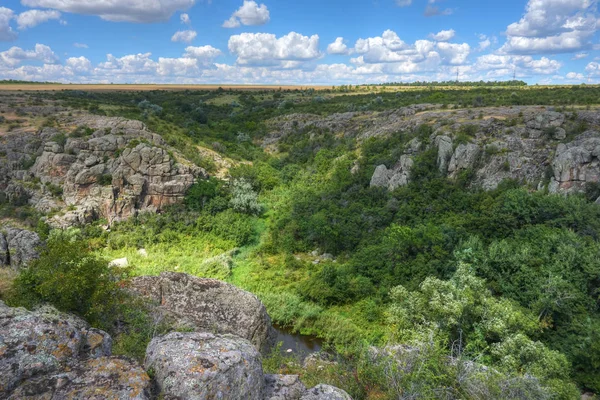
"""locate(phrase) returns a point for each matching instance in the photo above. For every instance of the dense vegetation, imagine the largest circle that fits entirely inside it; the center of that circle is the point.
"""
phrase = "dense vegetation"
(457, 83)
(507, 278)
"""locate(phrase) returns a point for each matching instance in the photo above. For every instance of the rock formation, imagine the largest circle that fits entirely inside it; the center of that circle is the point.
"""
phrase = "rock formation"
(45, 354)
(18, 247)
(209, 305)
(108, 167)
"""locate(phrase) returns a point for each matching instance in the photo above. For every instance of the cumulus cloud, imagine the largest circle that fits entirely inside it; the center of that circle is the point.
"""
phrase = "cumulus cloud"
(203, 53)
(552, 26)
(574, 76)
(6, 32)
(184, 36)
(267, 49)
(443, 36)
(81, 45)
(503, 65)
(432, 10)
(79, 64)
(250, 13)
(484, 43)
(185, 19)
(141, 11)
(338, 47)
(16, 55)
(31, 18)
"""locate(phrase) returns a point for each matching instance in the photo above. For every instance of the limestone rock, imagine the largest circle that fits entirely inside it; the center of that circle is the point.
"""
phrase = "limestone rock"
(205, 366)
(577, 163)
(325, 392)
(209, 305)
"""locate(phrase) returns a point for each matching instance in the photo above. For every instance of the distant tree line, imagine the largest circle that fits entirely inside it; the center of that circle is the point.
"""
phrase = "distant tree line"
(15, 81)
(454, 83)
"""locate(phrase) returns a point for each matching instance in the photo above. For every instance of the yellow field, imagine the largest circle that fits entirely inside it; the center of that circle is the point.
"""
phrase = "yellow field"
(135, 87)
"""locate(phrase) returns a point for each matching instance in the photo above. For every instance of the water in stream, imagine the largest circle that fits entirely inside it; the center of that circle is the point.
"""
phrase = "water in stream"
(298, 344)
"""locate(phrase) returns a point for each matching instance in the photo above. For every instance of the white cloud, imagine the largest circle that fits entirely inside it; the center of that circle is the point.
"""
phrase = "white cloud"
(142, 11)
(552, 26)
(81, 45)
(204, 53)
(420, 56)
(79, 64)
(338, 47)
(484, 43)
(250, 13)
(403, 3)
(31, 18)
(580, 56)
(443, 36)
(267, 49)
(6, 32)
(184, 36)
(506, 65)
(185, 19)
(575, 76)
(16, 55)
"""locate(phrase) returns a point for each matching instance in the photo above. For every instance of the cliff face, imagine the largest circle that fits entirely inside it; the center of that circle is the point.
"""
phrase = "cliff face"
(537, 146)
(93, 167)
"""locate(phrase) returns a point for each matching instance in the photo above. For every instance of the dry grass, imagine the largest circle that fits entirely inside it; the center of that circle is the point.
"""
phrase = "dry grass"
(136, 88)
(7, 276)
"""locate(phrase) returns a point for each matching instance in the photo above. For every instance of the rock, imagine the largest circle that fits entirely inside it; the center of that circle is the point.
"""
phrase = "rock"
(97, 379)
(205, 366)
(283, 387)
(209, 305)
(43, 342)
(19, 247)
(445, 150)
(119, 263)
(394, 178)
(143, 253)
(577, 163)
(325, 392)
(4, 254)
(319, 361)
(465, 157)
(537, 123)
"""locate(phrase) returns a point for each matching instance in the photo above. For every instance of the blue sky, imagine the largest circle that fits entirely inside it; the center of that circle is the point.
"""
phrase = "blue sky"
(293, 42)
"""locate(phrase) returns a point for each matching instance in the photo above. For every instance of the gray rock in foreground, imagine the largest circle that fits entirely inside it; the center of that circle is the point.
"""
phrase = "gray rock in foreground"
(205, 366)
(325, 392)
(209, 305)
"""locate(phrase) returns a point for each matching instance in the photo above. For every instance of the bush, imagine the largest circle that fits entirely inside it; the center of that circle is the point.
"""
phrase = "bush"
(71, 278)
(243, 198)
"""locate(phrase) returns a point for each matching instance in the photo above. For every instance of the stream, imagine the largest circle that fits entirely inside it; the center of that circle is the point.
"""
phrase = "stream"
(301, 345)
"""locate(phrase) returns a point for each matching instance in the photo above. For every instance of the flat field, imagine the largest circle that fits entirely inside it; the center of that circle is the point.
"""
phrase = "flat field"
(136, 88)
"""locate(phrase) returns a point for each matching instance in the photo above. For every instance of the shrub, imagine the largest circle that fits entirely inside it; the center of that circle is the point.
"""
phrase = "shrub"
(71, 278)
(243, 198)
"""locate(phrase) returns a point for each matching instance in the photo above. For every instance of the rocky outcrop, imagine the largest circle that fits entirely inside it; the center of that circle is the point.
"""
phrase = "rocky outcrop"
(465, 157)
(209, 305)
(18, 247)
(283, 387)
(576, 164)
(107, 168)
(48, 354)
(393, 178)
(205, 366)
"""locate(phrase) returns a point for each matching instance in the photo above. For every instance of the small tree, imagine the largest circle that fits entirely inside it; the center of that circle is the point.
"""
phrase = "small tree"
(243, 197)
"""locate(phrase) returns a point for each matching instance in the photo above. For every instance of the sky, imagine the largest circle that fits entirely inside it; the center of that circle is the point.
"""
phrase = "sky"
(331, 42)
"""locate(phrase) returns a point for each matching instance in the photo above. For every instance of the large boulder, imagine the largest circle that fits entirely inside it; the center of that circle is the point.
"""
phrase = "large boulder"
(205, 366)
(209, 305)
(22, 245)
(43, 343)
